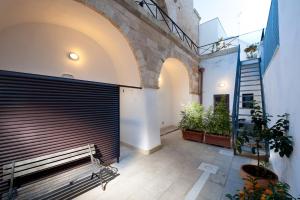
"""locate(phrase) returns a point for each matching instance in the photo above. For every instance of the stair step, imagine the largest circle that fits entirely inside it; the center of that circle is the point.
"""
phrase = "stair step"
(250, 101)
(250, 90)
(247, 67)
(250, 61)
(251, 85)
(254, 156)
(255, 75)
(248, 72)
(255, 95)
(244, 115)
(250, 80)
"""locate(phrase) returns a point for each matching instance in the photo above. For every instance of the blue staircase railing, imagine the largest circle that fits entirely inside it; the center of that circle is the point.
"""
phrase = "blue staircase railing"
(235, 109)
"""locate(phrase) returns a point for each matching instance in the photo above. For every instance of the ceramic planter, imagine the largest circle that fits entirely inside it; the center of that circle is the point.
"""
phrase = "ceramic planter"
(218, 140)
(196, 136)
(263, 180)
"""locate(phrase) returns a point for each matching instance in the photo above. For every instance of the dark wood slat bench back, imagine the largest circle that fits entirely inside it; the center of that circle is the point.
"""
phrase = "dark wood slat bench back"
(34, 165)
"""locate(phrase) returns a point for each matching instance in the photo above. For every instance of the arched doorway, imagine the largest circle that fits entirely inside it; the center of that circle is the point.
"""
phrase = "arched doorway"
(173, 92)
(37, 36)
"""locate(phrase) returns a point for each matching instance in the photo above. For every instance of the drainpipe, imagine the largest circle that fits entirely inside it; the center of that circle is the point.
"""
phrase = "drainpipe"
(201, 70)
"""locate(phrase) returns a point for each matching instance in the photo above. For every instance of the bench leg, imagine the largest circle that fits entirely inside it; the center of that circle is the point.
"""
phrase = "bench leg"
(99, 175)
(11, 186)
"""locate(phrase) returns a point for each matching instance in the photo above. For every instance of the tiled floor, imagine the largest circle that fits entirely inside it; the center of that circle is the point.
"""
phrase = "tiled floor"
(171, 173)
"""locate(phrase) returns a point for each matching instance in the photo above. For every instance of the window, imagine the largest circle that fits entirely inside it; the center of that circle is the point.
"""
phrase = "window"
(247, 100)
(218, 98)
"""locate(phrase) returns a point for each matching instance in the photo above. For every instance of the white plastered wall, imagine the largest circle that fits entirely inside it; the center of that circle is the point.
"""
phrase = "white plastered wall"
(173, 93)
(219, 77)
(281, 87)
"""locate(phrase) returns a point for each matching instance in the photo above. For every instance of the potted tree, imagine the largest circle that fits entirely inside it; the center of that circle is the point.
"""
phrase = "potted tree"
(191, 123)
(218, 126)
(251, 51)
(276, 137)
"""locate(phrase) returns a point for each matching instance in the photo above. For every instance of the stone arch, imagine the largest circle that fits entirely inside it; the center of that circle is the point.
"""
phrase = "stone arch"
(149, 45)
(173, 92)
(190, 65)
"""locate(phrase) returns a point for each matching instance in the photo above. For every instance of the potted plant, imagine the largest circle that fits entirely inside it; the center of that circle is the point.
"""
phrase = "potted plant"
(218, 126)
(273, 191)
(276, 137)
(251, 51)
(217, 46)
(191, 123)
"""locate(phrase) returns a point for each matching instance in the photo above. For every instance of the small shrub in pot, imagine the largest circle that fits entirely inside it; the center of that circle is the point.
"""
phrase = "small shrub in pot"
(218, 127)
(191, 123)
(277, 139)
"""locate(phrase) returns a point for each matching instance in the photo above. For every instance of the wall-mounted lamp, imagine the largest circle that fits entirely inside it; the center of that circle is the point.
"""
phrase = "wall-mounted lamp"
(73, 56)
(221, 84)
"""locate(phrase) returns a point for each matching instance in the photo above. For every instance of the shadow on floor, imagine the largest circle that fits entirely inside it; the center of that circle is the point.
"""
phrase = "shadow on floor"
(80, 186)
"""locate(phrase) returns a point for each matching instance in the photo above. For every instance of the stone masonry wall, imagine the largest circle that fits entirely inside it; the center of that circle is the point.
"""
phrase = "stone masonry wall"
(151, 43)
(182, 12)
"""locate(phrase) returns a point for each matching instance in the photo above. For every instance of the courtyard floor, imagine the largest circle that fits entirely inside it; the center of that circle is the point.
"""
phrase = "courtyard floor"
(173, 173)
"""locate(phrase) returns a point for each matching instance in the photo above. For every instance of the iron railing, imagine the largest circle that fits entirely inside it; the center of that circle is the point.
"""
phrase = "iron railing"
(235, 109)
(219, 45)
(244, 40)
(160, 15)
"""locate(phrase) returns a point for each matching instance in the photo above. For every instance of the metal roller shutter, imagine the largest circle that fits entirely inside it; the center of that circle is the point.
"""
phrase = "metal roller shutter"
(40, 115)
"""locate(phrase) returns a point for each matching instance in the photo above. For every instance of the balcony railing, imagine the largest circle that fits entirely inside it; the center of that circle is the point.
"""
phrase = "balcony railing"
(159, 14)
(244, 41)
(219, 45)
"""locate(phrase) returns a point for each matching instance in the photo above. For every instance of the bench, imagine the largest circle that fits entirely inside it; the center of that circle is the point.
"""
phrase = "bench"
(30, 166)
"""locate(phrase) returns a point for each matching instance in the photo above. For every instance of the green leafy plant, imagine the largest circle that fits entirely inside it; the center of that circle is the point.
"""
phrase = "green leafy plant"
(250, 50)
(210, 121)
(217, 46)
(192, 117)
(222, 118)
(276, 136)
(278, 191)
(217, 121)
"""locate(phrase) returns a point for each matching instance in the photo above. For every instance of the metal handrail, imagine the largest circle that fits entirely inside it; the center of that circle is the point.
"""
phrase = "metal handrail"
(218, 46)
(172, 26)
(235, 109)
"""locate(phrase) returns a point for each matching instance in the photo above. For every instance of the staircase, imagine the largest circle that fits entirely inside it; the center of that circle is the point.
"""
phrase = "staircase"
(248, 88)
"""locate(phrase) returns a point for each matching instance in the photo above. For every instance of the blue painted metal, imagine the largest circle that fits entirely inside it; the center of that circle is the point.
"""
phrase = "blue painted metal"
(271, 37)
(263, 104)
(235, 109)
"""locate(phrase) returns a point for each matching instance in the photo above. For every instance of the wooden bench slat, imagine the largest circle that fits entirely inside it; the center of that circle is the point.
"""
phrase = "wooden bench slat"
(43, 167)
(28, 161)
(29, 166)
(85, 152)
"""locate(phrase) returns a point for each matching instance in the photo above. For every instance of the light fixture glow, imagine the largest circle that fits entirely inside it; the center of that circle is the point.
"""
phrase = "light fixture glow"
(160, 80)
(73, 56)
(222, 85)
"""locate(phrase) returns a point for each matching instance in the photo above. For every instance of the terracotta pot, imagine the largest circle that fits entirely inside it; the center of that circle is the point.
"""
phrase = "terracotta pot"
(219, 140)
(263, 179)
(193, 135)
